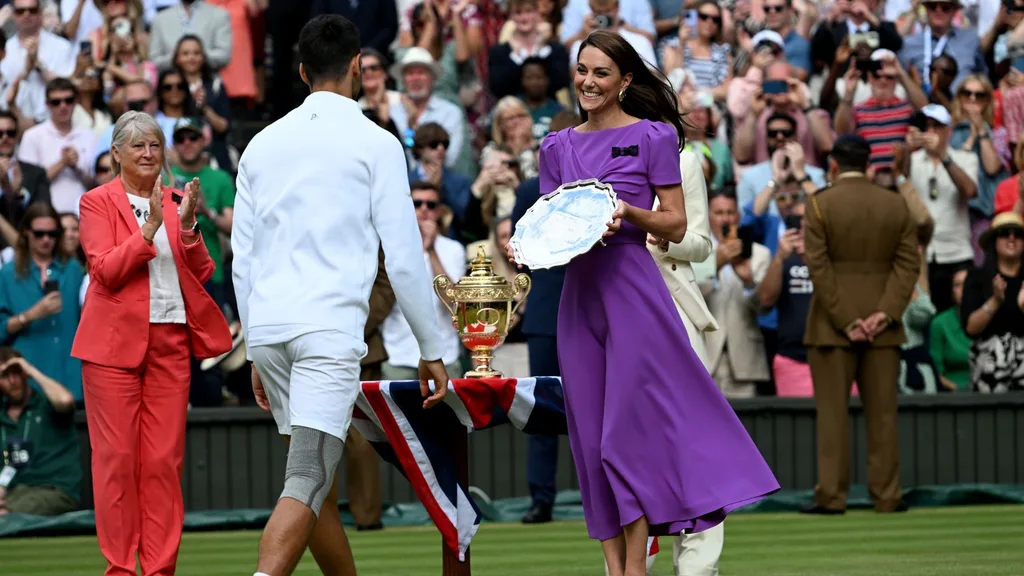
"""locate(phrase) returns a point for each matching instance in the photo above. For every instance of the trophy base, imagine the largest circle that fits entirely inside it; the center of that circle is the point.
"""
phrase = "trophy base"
(484, 373)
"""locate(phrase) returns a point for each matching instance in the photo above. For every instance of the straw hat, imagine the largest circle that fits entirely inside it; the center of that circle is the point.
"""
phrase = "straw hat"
(1002, 220)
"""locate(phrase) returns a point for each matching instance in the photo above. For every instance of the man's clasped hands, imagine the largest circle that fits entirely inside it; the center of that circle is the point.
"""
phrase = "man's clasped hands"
(866, 329)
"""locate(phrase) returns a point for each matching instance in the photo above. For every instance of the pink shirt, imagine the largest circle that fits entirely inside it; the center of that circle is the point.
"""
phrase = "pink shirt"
(43, 144)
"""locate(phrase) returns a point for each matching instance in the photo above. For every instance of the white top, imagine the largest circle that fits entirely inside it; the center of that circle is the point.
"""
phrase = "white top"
(55, 54)
(166, 306)
(90, 20)
(951, 241)
(43, 145)
(399, 341)
(312, 209)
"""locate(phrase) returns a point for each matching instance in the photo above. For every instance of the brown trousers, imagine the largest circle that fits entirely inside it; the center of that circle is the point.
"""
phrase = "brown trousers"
(362, 469)
(876, 371)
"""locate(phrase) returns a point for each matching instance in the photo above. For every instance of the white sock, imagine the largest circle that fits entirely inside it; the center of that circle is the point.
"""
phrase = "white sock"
(260, 574)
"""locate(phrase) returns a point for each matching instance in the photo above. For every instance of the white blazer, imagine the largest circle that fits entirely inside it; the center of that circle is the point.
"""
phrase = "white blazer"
(695, 246)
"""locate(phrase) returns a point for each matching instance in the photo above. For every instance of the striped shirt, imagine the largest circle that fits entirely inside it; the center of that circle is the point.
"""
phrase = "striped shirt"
(882, 124)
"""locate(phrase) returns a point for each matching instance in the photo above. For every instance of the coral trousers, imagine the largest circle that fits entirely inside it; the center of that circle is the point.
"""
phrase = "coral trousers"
(137, 431)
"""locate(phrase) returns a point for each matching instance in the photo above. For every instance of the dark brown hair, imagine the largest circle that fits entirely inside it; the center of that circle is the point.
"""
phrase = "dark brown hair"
(21, 252)
(649, 96)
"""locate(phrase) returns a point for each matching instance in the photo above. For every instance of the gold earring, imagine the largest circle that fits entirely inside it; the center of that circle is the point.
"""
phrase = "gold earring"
(622, 95)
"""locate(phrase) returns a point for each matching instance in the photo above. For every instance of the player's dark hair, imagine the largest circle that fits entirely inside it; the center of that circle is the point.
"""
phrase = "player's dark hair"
(327, 45)
(851, 153)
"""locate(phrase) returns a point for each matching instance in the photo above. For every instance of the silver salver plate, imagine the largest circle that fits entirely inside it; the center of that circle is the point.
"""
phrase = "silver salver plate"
(564, 224)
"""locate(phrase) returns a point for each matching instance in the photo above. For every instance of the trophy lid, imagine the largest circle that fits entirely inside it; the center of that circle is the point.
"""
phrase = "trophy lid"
(481, 272)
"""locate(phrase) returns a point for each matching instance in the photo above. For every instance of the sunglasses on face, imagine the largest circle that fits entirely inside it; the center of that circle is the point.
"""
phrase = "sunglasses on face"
(173, 86)
(101, 169)
(974, 95)
(9, 133)
(23, 11)
(940, 7)
(780, 134)
(430, 204)
(371, 68)
(788, 197)
(711, 17)
(44, 233)
(947, 72)
(55, 102)
(435, 144)
(777, 8)
(136, 105)
(511, 163)
(182, 137)
(1012, 232)
(883, 76)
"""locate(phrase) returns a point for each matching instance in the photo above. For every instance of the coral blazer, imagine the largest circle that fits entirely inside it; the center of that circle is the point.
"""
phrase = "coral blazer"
(114, 328)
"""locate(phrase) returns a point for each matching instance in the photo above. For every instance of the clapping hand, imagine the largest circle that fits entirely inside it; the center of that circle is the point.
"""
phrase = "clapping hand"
(188, 204)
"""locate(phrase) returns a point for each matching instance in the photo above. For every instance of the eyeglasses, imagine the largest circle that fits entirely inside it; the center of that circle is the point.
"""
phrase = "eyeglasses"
(173, 86)
(941, 7)
(789, 197)
(55, 102)
(778, 8)
(430, 204)
(711, 17)
(1010, 232)
(12, 133)
(136, 105)
(974, 95)
(44, 233)
(23, 11)
(780, 133)
(101, 169)
(183, 137)
(435, 144)
(371, 68)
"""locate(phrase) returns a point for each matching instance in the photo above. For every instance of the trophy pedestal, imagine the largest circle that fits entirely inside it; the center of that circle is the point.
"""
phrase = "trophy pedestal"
(482, 358)
(456, 439)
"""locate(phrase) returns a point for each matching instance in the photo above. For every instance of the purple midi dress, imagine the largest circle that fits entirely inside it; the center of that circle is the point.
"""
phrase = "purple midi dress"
(651, 434)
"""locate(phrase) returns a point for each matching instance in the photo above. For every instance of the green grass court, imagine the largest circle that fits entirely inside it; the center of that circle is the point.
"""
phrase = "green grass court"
(960, 541)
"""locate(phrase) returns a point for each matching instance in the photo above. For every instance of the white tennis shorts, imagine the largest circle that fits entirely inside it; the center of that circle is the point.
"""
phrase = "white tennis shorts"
(312, 380)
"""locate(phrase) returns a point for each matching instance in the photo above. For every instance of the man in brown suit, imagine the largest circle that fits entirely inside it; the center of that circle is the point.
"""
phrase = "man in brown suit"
(861, 252)
(329, 544)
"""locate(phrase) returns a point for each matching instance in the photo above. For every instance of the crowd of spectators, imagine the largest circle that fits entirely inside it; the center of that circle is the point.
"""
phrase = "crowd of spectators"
(471, 88)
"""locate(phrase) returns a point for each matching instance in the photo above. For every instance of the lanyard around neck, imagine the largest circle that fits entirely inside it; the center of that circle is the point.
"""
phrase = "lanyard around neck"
(929, 52)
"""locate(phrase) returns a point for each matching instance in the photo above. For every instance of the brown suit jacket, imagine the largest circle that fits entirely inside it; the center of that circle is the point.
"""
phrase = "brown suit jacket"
(861, 250)
(382, 299)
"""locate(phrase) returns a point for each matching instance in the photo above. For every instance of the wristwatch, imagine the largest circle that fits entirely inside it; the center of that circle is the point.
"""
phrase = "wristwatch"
(806, 178)
(946, 161)
(772, 184)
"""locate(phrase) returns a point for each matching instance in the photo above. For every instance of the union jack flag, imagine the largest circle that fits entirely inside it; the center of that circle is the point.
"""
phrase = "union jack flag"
(390, 415)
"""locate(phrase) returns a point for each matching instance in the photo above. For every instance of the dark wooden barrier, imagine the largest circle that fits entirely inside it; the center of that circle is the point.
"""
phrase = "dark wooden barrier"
(235, 458)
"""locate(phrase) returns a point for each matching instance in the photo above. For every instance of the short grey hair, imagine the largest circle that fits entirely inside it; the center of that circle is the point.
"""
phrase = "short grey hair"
(131, 126)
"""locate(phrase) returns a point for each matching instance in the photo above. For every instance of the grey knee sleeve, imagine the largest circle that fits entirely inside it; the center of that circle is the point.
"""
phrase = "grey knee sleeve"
(313, 457)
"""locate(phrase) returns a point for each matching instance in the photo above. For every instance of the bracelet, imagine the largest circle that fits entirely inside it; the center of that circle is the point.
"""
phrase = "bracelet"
(23, 320)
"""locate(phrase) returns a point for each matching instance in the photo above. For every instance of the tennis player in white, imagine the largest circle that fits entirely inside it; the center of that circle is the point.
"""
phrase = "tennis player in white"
(319, 191)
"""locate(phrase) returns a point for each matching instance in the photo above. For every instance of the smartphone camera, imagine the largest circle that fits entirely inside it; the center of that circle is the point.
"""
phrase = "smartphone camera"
(603, 21)
(51, 286)
(794, 221)
(869, 66)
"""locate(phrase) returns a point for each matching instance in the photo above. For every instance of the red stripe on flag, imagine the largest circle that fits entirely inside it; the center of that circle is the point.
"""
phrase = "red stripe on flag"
(654, 547)
(479, 396)
(449, 532)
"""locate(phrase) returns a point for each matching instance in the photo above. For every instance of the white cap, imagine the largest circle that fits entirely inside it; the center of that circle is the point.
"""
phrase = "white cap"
(768, 36)
(416, 56)
(938, 113)
(704, 99)
(882, 54)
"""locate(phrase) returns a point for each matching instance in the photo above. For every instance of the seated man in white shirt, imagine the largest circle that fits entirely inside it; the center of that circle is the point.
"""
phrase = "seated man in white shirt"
(606, 13)
(441, 255)
(34, 57)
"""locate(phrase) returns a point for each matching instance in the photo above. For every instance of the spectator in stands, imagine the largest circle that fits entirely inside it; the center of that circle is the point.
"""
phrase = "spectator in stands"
(736, 355)
(101, 33)
(579, 19)
(377, 21)
(125, 57)
(608, 15)
(543, 108)
(946, 179)
(883, 118)
(71, 238)
(493, 191)
(216, 201)
(207, 92)
(944, 71)
(701, 120)
(441, 255)
(91, 110)
(1010, 192)
(974, 132)
(21, 183)
(949, 344)
(940, 36)
(993, 309)
(239, 74)
(174, 102)
(779, 19)
(33, 58)
(703, 51)
(857, 17)
(760, 183)
(917, 372)
(448, 11)
(429, 146)
(376, 99)
(835, 88)
(443, 34)
(39, 440)
(39, 304)
(137, 332)
(528, 42)
(64, 151)
(211, 24)
(419, 104)
(138, 97)
(512, 126)
(104, 171)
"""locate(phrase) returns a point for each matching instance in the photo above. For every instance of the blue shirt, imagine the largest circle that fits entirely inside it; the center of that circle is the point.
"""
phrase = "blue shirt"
(756, 177)
(45, 343)
(984, 202)
(798, 51)
(962, 45)
(767, 229)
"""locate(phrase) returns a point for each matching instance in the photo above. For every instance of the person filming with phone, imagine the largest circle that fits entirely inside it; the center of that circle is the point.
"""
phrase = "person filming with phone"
(39, 305)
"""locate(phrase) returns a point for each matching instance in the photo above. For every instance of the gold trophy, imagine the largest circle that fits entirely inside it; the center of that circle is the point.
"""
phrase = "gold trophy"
(483, 305)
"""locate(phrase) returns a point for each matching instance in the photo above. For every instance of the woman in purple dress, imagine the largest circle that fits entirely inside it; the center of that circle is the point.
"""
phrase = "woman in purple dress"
(657, 448)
